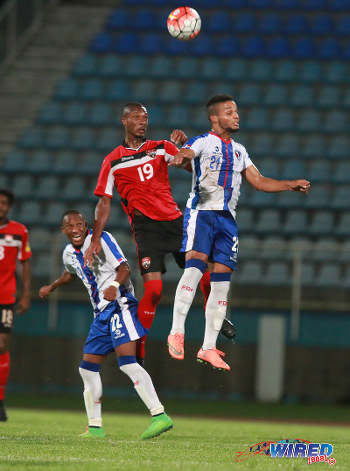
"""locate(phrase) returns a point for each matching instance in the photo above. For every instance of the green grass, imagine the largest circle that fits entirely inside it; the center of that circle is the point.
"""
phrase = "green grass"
(48, 440)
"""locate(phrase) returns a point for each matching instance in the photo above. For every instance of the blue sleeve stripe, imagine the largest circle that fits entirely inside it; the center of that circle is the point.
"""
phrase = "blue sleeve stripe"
(112, 247)
(194, 139)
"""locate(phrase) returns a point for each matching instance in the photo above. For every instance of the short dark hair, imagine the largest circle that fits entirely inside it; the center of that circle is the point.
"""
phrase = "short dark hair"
(131, 107)
(70, 212)
(9, 195)
(215, 100)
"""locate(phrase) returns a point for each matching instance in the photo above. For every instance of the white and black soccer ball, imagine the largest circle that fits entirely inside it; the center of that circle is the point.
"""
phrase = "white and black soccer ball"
(184, 23)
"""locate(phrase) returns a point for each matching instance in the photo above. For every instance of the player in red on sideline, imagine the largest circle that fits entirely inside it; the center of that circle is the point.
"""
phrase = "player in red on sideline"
(14, 245)
(138, 168)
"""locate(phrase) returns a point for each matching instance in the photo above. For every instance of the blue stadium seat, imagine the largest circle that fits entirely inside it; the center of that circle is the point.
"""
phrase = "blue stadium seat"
(269, 167)
(321, 223)
(244, 23)
(325, 248)
(263, 200)
(177, 115)
(282, 120)
(67, 89)
(287, 4)
(343, 26)
(296, 24)
(202, 46)
(144, 90)
(54, 212)
(117, 19)
(73, 189)
(175, 48)
(92, 89)
(293, 169)
(31, 138)
(107, 140)
(170, 91)
(261, 145)
(150, 43)
(329, 276)
(319, 197)
(136, 65)
(322, 25)
(341, 197)
(261, 69)
(86, 66)
(257, 118)
(110, 66)
(91, 162)
(156, 115)
(328, 96)
(342, 228)
(296, 222)
(23, 186)
(41, 162)
(303, 49)
(249, 94)
(100, 114)
(161, 67)
(235, 69)
(210, 69)
(227, 46)
(195, 93)
(75, 113)
(342, 172)
(320, 171)
(278, 48)
(262, 3)
(118, 90)
(309, 120)
(339, 147)
(286, 145)
(15, 162)
(268, 221)
(219, 22)
(47, 188)
(270, 24)
(277, 274)
(339, 5)
(102, 43)
(253, 46)
(126, 43)
(314, 146)
(58, 137)
(64, 163)
(30, 213)
(51, 113)
(245, 220)
(144, 19)
(329, 48)
(187, 67)
(286, 71)
(311, 71)
(314, 4)
(83, 139)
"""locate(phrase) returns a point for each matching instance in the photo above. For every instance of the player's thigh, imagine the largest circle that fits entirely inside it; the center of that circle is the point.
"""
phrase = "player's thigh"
(98, 342)
(126, 349)
(91, 358)
(225, 247)
(6, 325)
(149, 240)
(198, 231)
(125, 326)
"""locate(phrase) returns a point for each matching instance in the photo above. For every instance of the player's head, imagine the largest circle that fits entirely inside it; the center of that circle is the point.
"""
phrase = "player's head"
(74, 226)
(223, 113)
(6, 201)
(135, 119)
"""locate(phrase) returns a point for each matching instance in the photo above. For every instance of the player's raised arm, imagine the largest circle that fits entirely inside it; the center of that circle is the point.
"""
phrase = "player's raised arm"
(270, 185)
(123, 274)
(182, 159)
(178, 137)
(64, 279)
(102, 212)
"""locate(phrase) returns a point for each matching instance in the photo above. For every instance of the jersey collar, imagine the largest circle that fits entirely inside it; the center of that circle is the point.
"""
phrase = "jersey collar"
(124, 144)
(226, 141)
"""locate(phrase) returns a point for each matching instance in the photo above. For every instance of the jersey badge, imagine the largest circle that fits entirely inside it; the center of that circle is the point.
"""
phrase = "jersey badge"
(146, 262)
(151, 153)
(238, 154)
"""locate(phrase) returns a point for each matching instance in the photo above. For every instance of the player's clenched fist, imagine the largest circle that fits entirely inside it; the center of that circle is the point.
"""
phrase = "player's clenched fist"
(45, 291)
(110, 293)
(300, 185)
(178, 137)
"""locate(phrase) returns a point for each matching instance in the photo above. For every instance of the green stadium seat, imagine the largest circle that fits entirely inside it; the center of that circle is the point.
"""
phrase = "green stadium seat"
(302, 95)
(210, 69)
(273, 247)
(322, 223)
(341, 174)
(288, 199)
(235, 69)
(336, 121)
(100, 115)
(276, 95)
(73, 189)
(144, 90)
(346, 99)
(311, 71)
(249, 94)
(245, 220)
(195, 93)
(299, 245)
(328, 97)
(277, 274)
(107, 140)
(261, 145)
(286, 145)
(41, 162)
(54, 213)
(319, 197)
(257, 119)
(336, 72)
(23, 186)
(58, 137)
(156, 115)
(250, 273)
(42, 265)
(135, 66)
(329, 276)
(75, 113)
(64, 163)
(309, 121)
(341, 197)
(296, 222)
(342, 228)
(293, 169)
(286, 71)
(186, 67)
(67, 89)
(314, 146)
(161, 67)
(283, 120)
(51, 113)
(269, 167)
(47, 188)
(16, 161)
(30, 213)
(118, 90)
(260, 199)
(325, 249)
(40, 238)
(86, 66)
(177, 116)
(320, 171)
(170, 91)
(92, 89)
(308, 274)
(83, 139)
(261, 70)
(249, 247)
(111, 66)
(31, 138)
(91, 162)
(339, 147)
(344, 255)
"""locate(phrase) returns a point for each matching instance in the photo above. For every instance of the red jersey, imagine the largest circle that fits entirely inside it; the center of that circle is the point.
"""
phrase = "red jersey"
(141, 178)
(14, 244)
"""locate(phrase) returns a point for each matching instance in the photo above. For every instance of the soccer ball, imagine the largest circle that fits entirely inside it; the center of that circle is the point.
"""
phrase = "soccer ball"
(184, 23)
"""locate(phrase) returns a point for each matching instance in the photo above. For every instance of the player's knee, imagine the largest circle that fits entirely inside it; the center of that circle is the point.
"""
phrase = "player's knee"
(153, 291)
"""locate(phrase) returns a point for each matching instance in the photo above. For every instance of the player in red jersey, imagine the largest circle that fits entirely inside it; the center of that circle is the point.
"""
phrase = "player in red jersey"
(14, 245)
(139, 170)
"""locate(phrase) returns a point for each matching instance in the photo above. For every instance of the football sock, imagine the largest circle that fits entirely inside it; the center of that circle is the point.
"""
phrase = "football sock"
(216, 308)
(205, 287)
(4, 372)
(92, 392)
(185, 292)
(147, 309)
(142, 383)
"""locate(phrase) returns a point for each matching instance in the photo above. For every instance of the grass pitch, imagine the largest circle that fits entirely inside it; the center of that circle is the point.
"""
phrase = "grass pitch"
(48, 440)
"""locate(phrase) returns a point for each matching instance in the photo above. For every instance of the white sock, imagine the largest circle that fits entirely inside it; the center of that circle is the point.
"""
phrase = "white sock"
(185, 293)
(144, 387)
(92, 396)
(215, 312)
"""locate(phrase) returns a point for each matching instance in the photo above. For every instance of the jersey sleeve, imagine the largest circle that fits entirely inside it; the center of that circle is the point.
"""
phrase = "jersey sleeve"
(196, 144)
(170, 151)
(114, 254)
(105, 182)
(246, 159)
(25, 251)
(67, 266)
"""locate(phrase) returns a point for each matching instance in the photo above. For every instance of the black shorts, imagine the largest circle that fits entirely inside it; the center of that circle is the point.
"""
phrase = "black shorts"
(6, 317)
(154, 240)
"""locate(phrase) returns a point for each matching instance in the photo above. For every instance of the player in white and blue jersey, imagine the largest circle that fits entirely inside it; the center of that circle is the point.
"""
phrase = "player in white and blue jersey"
(210, 230)
(116, 326)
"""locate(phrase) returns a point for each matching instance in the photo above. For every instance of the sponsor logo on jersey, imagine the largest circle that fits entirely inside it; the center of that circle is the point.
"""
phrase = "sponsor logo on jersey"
(146, 262)
(118, 334)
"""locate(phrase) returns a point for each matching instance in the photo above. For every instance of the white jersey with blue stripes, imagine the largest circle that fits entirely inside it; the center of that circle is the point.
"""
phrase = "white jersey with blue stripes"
(216, 172)
(97, 278)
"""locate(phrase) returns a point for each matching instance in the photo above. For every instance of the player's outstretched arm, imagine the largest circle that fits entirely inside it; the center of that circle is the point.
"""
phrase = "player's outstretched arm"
(64, 279)
(182, 158)
(123, 274)
(24, 301)
(102, 212)
(270, 185)
(178, 137)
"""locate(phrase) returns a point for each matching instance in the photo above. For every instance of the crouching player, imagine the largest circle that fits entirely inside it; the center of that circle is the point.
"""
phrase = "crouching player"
(116, 326)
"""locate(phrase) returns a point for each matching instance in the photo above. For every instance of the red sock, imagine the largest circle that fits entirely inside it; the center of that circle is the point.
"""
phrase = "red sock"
(205, 287)
(4, 372)
(147, 310)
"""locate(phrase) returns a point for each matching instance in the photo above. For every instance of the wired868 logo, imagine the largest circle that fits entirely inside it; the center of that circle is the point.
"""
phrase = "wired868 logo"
(290, 448)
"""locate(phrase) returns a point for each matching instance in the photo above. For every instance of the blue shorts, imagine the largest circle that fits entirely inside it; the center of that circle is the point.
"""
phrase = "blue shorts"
(213, 233)
(116, 324)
